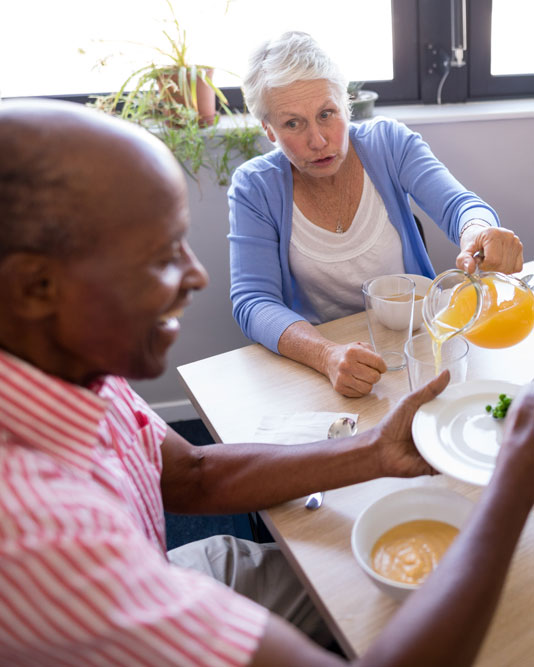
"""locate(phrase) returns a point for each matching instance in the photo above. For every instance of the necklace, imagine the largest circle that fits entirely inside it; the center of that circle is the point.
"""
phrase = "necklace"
(330, 207)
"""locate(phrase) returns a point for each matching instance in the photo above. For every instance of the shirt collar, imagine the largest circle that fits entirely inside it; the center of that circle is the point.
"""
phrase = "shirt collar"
(46, 413)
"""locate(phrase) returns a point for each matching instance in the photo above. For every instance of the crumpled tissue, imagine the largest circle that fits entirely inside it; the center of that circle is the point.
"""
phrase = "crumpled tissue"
(297, 428)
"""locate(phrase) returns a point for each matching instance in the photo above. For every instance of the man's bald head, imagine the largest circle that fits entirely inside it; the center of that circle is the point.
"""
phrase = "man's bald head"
(94, 262)
(65, 171)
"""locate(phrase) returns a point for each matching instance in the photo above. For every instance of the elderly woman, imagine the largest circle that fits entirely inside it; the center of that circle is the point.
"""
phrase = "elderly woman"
(313, 219)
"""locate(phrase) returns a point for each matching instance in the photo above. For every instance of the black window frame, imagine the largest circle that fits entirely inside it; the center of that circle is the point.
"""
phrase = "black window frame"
(421, 57)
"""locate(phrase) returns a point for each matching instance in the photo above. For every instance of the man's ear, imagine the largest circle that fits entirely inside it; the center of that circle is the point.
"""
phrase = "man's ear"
(29, 284)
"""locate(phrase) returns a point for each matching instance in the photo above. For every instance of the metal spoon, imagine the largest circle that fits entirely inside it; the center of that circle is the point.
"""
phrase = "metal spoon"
(342, 427)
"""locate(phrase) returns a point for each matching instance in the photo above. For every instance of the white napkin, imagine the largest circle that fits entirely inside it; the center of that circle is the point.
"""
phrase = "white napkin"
(299, 427)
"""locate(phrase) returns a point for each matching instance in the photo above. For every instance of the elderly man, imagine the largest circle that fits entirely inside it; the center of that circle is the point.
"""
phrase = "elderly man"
(94, 271)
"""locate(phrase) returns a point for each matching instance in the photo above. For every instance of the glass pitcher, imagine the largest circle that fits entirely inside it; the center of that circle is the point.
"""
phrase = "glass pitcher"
(490, 309)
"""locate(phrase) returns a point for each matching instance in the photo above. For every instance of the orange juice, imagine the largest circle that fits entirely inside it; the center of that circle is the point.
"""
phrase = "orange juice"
(507, 315)
(450, 320)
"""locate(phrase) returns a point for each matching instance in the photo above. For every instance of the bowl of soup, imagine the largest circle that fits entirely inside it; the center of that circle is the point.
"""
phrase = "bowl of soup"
(422, 283)
(399, 539)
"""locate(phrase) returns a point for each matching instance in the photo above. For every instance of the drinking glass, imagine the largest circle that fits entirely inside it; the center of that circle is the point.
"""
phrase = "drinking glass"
(389, 302)
(422, 365)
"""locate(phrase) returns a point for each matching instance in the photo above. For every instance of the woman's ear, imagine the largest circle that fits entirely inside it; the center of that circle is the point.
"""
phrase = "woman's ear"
(29, 284)
(268, 132)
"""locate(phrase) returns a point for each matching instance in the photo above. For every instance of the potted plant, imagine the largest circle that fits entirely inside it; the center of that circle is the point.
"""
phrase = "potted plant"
(176, 101)
(176, 78)
(362, 102)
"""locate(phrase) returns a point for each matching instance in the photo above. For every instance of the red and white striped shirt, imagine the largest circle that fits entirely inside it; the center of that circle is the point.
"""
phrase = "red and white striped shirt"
(83, 575)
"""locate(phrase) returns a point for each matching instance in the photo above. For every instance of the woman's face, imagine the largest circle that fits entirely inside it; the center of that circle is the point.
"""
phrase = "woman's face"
(310, 124)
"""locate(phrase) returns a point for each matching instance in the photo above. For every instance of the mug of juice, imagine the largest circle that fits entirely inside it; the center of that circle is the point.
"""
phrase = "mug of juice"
(490, 309)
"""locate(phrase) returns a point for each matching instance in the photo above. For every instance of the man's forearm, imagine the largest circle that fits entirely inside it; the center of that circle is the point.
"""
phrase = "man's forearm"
(443, 624)
(248, 477)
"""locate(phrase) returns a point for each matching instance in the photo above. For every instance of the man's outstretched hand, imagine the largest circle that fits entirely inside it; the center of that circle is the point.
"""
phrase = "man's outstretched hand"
(398, 456)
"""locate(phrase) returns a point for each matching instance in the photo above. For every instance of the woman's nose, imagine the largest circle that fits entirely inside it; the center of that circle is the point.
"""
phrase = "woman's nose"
(316, 139)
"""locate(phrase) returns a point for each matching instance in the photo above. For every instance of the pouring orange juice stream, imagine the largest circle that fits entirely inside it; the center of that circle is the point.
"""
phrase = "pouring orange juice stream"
(505, 318)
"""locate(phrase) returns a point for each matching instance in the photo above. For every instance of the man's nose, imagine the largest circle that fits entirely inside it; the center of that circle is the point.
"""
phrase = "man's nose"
(199, 274)
(196, 277)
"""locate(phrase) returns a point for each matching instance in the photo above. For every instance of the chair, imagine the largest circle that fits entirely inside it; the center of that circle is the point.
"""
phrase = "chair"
(421, 231)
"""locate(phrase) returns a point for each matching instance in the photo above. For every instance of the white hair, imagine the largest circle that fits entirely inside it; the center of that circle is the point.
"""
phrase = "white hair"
(294, 56)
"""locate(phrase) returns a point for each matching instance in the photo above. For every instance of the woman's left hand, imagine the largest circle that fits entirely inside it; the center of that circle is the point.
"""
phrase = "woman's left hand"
(501, 250)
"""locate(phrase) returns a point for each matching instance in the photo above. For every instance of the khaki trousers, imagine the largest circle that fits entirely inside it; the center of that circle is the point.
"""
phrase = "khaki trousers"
(259, 572)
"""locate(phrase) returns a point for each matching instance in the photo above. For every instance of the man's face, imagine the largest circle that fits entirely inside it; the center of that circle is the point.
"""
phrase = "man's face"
(118, 306)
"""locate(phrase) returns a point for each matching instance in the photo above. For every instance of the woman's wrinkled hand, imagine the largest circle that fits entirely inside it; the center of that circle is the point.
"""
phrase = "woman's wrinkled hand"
(398, 456)
(500, 248)
(354, 368)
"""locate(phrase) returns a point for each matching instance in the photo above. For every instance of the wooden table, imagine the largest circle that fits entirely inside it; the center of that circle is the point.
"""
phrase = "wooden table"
(233, 391)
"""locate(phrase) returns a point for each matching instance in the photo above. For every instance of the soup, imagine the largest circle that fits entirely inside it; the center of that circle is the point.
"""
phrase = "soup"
(409, 552)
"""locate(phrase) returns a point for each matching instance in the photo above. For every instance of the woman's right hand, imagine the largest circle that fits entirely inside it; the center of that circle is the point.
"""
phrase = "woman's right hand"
(354, 368)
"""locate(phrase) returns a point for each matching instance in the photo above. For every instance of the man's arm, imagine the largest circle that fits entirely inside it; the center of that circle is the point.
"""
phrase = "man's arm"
(444, 622)
(248, 477)
(430, 628)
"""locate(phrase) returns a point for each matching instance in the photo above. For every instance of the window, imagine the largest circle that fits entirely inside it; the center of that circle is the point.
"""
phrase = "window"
(75, 47)
(502, 60)
(364, 54)
(401, 48)
(511, 32)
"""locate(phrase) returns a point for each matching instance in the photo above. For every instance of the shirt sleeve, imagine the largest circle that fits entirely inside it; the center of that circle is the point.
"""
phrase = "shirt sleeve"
(260, 305)
(433, 187)
(94, 591)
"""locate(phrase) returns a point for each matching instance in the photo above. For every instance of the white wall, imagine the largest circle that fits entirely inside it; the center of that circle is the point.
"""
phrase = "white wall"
(494, 158)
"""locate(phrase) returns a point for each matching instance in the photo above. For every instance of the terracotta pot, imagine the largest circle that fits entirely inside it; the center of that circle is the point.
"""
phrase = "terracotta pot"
(205, 97)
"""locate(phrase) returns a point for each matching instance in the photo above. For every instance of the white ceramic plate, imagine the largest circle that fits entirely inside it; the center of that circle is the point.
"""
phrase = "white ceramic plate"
(456, 435)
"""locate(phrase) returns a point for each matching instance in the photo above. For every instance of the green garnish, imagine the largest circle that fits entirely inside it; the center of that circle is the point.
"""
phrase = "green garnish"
(501, 408)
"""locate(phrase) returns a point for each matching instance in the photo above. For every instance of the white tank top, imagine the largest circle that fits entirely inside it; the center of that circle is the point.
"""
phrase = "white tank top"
(330, 268)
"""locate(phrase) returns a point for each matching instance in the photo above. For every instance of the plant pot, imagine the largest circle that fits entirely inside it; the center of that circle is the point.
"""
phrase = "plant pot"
(205, 96)
(363, 106)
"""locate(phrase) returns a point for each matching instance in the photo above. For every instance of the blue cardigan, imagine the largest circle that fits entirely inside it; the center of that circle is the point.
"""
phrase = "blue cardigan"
(399, 163)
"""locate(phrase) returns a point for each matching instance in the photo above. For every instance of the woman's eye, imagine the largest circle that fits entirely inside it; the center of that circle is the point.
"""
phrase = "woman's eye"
(326, 114)
(292, 124)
